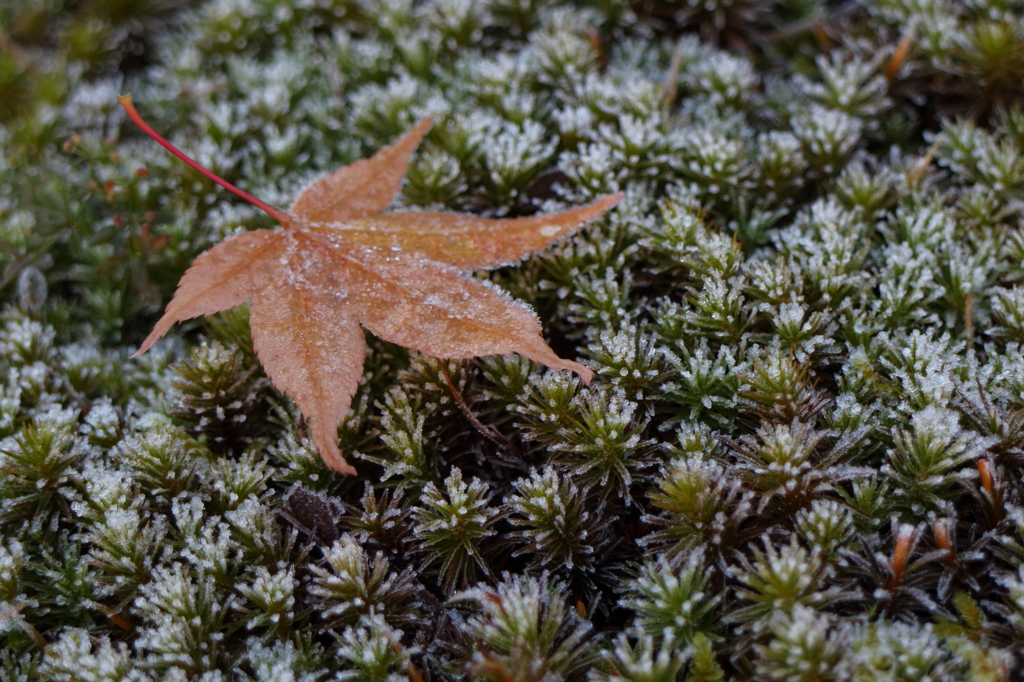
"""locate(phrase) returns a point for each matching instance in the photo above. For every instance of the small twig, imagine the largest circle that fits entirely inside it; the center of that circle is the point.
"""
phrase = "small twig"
(903, 546)
(12, 611)
(594, 38)
(969, 314)
(670, 88)
(795, 28)
(821, 35)
(488, 433)
(413, 674)
(917, 173)
(299, 526)
(410, 669)
(119, 620)
(900, 54)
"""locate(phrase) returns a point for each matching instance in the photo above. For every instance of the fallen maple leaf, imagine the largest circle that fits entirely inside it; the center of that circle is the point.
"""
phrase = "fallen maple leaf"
(336, 262)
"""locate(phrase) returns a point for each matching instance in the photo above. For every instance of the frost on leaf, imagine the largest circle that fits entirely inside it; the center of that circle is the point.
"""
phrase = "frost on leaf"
(336, 263)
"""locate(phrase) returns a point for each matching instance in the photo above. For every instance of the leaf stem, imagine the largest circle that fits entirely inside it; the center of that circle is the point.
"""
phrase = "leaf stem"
(129, 108)
(119, 620)
(488, 432)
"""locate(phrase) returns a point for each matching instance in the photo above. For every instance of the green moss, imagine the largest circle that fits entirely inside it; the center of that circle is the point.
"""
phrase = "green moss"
(801, 459)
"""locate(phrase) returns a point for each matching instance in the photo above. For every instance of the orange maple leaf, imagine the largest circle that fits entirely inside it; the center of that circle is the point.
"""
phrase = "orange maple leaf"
(336, 263)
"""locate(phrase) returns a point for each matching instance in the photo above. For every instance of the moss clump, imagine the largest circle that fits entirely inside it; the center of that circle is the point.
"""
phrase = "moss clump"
(802, 457)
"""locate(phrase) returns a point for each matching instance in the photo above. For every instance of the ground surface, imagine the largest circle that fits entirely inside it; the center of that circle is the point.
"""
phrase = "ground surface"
(801, 459)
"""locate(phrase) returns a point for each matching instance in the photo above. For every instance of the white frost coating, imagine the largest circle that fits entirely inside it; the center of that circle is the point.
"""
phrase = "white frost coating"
(637, 143)
(211, 549)
(924, 365)
(781, 160)
(715, 159)
(725, 78)
(669, 595)
(906, 649)
(10, 402)
(372, 647)
(182, 616)
(790, 565)
(18, 226)
(273, 595)
(11, 558)
(594, 167)
(278, 661)
(924, 228)
(107, 489)
(551, 509)
(25, 340)
(642, 661)
(512, 152)
(574, 120)
(346, 588)
(497, 73)
(825, 525)
(76, 655)
(848, 84)
(462, 505)
(827, 134)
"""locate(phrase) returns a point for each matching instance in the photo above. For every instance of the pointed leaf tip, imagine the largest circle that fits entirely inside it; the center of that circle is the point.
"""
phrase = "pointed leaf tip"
(333, 458)
(363, 188)
(585, 373)
(608, 201)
